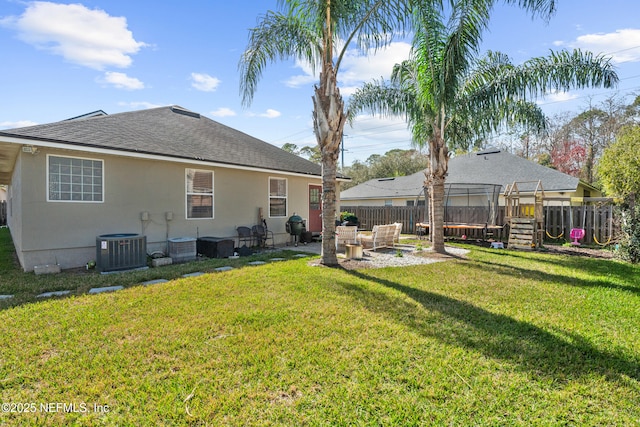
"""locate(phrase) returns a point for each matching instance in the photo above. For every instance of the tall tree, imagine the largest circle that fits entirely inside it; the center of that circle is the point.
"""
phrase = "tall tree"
(596, 127)
(620, 164)
(319, 32)
(449, 96)
(618, 170)
(395, 162)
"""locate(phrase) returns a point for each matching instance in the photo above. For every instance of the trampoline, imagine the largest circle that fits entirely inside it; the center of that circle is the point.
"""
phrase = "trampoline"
(470, 209)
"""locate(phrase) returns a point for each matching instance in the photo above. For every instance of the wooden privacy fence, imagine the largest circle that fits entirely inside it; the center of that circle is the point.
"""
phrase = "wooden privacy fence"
(3, 213)
(597, 221)
(379, 215)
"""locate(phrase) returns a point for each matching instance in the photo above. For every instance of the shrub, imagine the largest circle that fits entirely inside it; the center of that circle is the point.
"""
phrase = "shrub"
(629, 249)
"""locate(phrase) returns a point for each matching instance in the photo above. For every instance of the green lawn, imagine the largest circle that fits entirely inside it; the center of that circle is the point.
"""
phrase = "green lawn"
(502, 338)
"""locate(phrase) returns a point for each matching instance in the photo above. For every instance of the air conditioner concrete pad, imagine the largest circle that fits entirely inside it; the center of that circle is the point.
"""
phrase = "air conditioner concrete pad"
(46, 269)
(225, 268)
(154, 282)
(105, 289)
(158, 262)
(53, 294)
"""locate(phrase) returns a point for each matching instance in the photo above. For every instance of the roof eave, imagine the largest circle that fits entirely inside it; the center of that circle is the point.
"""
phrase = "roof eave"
(66, 145)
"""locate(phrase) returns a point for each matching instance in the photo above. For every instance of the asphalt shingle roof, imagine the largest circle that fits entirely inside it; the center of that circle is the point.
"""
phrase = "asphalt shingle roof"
(169, 131)
(487, 167)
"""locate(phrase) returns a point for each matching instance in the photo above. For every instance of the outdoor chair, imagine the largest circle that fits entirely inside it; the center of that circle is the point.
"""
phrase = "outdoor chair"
(397, 231)
(346, 234)
(245, 235)
(262, 234)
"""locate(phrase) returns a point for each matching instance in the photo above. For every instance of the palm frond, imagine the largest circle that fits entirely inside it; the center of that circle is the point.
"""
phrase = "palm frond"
(277, 37)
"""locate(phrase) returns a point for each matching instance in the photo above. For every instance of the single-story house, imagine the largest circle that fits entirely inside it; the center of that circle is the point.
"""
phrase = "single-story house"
(162, 173)
(491, 166)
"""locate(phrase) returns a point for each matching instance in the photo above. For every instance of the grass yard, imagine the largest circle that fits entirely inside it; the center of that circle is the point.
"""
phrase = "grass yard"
(501, 338)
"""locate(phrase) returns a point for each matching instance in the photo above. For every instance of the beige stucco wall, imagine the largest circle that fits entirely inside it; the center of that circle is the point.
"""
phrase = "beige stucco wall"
(65, 232)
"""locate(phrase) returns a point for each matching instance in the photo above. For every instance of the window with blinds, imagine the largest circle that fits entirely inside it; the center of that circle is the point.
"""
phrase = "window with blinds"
(199, 194)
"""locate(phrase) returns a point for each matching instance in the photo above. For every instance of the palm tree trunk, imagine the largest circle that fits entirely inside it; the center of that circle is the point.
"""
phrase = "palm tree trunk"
(437, 201)
(329, 120)
(438, 166)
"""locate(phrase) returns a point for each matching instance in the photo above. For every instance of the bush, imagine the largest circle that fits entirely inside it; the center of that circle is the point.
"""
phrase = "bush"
(629, 249)
(349, 218)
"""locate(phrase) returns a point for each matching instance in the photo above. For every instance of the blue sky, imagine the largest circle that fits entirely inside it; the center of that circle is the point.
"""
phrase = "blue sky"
(63, 59)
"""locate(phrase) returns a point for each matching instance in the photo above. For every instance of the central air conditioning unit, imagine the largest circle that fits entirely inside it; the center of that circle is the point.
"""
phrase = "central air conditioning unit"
(182, 249)
(124, 251)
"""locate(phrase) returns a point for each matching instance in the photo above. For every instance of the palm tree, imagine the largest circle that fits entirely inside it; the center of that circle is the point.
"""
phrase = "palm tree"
(451, 97)
(311, 31)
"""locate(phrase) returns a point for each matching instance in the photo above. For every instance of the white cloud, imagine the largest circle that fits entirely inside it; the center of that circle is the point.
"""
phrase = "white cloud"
(121, 81)
(357, 68)
(88, 37)
(18, 124)
(377, 128)
(302, 79)
(223, 112)
(204, 82)
(557, 97)
(270, 114)
(140, 105)
(622, 45)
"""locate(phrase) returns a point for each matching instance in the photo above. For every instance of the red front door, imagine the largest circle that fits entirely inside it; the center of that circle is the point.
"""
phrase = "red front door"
(315, 209)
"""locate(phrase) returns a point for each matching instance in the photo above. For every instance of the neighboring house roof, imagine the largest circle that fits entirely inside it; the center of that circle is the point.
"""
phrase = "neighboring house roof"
(167, 131)
(387, 188)
(491, 166)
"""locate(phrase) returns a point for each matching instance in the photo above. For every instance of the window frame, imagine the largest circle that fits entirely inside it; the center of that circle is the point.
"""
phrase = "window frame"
(187, 194)
(48, 179)
(285, 197)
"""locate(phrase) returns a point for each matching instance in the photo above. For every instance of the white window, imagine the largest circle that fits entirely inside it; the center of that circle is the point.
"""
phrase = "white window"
(74, 179)
(277, 197)
(199, 194)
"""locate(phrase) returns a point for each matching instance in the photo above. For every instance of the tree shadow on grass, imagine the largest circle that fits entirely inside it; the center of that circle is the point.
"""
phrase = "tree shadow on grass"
(620, 276)
(560, 355)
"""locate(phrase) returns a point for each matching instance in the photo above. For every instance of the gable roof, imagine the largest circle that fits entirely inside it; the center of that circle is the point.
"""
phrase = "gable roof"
(491, 166)
(172, 132)
(386, 188)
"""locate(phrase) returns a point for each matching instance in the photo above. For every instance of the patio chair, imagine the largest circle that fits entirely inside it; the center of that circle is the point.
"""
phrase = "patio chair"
(262, 234)
(346, 234)
(245, 235)
(396, 232)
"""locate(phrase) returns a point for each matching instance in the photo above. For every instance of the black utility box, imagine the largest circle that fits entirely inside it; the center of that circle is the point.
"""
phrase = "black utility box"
(215, 247)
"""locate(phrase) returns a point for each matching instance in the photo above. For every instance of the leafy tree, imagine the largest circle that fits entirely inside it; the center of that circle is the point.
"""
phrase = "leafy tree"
(290, 147)
(595, 128)
(618, 170)
(568, 157)
(393, 163)
(310, 153)
(619, 165)
(310, 31)
(449, 96)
